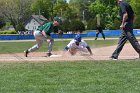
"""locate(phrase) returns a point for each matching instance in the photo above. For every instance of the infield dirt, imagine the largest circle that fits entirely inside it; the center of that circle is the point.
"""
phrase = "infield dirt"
(98, 54)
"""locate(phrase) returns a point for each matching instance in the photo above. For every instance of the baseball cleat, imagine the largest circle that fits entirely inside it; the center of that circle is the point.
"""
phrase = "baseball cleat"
(113, 58)
(26, 53)
(138, 57)
(49, 54)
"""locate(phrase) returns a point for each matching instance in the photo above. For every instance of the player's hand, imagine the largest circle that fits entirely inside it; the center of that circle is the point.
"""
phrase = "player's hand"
(44, 34)
(60, 32)
(122, 26)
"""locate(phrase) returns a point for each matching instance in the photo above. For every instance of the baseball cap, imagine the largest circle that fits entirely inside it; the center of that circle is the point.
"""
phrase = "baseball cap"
(57, 19)
(78, 38)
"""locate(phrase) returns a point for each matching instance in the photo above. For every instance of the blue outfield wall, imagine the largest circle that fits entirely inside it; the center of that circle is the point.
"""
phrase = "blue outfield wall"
(16, 37)
(108, 33)
(30, 37)
(111, 33)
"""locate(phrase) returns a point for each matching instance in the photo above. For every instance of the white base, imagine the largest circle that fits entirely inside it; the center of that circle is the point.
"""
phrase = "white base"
(55, 55)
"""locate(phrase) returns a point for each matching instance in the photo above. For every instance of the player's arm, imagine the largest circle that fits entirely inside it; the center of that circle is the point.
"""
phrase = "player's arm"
(89, 50)
(97, 29)
(46, 29)
(66, 48)
(86, 46)
(124, 16)
(69, 45)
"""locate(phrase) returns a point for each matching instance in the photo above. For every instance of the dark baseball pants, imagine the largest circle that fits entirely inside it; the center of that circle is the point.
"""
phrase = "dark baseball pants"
(126, 35)
(98, 34)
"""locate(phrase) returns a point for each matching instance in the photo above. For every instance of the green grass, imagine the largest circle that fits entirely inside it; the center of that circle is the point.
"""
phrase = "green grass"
(70, 77)
(15, 47)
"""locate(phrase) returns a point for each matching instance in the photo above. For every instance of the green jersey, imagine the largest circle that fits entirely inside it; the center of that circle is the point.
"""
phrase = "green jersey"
(47, 28)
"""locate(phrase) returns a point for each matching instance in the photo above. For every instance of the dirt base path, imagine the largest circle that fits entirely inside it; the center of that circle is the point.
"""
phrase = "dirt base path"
(98, 54)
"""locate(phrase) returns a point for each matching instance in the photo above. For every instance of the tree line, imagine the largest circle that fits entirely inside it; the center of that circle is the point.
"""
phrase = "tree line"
(75, 14)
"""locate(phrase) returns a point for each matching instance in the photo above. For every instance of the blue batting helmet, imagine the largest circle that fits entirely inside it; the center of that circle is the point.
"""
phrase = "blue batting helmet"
(78, 38)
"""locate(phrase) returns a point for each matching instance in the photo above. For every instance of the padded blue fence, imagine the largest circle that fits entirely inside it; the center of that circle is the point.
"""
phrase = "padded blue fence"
(111, 33)
(16, 37)
(108, 33)
(27, 37)
(66, 35)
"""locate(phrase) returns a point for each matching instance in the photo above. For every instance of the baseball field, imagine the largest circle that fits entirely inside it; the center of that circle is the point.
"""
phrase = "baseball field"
(65, 73)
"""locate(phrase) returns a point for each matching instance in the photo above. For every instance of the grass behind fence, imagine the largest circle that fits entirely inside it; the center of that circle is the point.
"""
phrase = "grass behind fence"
(70, 77)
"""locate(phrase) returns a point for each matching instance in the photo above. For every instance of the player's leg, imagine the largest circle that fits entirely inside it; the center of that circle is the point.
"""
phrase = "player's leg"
(103, 35)
(39, 39)
(121, 42)
(134, 42)
(50, 45)
(96, 36)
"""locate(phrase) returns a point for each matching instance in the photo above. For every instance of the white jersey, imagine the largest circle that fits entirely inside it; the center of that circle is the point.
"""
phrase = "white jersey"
(81, 45)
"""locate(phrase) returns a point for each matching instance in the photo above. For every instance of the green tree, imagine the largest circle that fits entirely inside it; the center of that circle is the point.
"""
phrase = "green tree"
(20, 27)
(62, 9)
(108, 12)
(91, 24)
(75, 6)
(136, 7)
(81, 9)
(43, 7)
(77, 25)
(98, 9)
(2, 22)
(66, 26)
(109, 2)
(15, 11)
